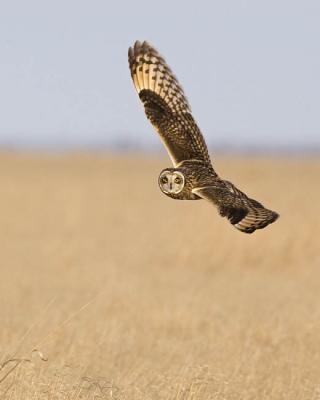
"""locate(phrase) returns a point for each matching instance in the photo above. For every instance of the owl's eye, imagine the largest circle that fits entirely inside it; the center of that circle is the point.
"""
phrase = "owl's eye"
(164, 179)
(177, 180)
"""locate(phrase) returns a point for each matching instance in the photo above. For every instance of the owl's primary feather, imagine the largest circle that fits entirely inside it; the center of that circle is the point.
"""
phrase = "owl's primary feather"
(166, 105)
(244, 213)
(167, 108)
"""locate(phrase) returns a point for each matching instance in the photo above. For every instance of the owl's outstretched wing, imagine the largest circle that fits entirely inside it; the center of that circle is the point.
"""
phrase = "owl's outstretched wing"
(166, 105)
(244, 213)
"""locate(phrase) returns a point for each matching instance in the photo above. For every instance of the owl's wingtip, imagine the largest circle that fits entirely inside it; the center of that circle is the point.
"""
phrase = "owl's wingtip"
(139, 46)
(275, 216)
(146, 45)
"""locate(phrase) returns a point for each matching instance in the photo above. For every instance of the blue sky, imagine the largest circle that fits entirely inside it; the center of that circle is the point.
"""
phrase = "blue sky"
(249, 68)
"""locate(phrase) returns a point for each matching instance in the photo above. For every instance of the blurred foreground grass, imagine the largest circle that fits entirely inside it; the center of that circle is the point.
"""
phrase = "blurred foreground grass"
(132, 295)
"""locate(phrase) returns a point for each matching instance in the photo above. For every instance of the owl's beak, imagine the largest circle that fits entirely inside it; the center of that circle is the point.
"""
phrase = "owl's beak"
(170, 185)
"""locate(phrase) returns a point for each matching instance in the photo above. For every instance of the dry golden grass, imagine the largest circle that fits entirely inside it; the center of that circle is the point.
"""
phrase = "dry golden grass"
(132, 295)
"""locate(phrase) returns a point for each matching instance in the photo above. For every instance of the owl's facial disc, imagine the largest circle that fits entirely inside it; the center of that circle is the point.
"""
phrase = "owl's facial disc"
(171, 182)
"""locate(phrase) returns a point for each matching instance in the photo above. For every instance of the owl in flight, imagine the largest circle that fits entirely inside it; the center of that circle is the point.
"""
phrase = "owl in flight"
(192, 177)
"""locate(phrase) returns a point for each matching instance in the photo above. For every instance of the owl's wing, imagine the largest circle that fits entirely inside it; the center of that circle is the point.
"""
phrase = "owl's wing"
(244, 213)
(166, 105)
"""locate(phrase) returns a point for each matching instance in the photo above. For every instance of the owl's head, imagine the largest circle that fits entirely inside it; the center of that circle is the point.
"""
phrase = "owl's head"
(171, 181)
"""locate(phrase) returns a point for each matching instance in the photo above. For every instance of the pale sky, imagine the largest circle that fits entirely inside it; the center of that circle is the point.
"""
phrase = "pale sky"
(251, 70)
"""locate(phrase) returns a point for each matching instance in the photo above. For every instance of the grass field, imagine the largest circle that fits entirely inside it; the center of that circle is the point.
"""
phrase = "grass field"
(131, 295)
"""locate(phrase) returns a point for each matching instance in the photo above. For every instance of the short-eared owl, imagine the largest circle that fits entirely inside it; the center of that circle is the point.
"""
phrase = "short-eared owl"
(193, 176)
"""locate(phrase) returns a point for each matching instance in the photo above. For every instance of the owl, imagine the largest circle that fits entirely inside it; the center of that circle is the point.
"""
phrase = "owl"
(192, 176)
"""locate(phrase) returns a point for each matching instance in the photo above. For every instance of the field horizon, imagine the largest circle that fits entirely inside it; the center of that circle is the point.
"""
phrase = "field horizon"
(127, 294)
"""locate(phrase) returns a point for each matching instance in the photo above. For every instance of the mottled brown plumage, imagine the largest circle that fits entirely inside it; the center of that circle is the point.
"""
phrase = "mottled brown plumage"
(193, 176)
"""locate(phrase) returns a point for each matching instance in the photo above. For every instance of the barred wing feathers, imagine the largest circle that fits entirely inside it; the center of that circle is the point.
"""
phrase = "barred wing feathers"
(244, 213)
(166, 105)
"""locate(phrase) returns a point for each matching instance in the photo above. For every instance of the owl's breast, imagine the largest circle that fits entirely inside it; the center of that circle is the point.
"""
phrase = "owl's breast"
(185, 194)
